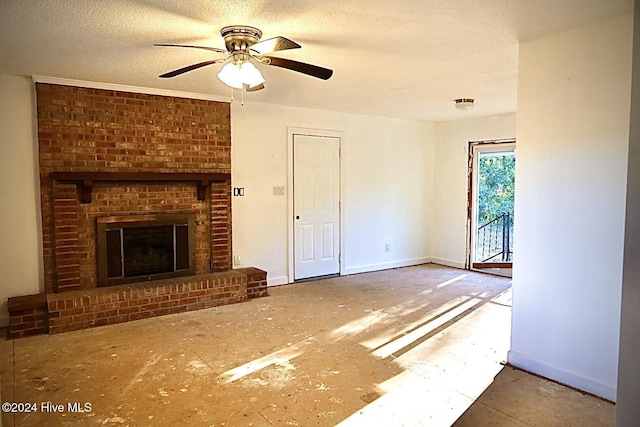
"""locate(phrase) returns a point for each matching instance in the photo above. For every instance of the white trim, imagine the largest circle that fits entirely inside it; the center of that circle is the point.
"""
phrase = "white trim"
(564, 376)
(127, 88)
(277, 281)
(478, 147)
(448, 262)
(291, 130)
(387, 265)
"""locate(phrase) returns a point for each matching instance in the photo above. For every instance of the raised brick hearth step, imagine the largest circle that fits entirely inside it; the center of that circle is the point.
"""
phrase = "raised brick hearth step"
(27, 315)
(75, 310)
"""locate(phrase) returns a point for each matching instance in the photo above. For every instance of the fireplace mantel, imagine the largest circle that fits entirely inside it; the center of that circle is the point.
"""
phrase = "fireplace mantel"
(84, 180)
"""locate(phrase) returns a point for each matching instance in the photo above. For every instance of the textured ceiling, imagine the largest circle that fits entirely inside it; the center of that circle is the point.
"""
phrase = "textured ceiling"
(406, 59)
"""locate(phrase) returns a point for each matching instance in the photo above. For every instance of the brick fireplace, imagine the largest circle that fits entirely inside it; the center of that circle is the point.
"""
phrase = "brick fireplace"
(110, 157)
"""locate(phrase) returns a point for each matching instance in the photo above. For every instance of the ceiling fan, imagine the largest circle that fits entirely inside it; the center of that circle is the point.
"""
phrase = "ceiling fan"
(243, 46)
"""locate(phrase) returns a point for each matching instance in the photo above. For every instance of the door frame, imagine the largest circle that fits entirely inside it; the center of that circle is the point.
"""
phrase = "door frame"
(474, 148)
(291, 131)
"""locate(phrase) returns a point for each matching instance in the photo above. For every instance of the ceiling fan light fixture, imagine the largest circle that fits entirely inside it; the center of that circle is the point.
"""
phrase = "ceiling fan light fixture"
(250, 75)
(230, 75)
(238, 75)
(464, 104)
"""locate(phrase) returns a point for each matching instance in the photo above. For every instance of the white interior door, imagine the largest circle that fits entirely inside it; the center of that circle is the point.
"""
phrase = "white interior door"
(316, 205)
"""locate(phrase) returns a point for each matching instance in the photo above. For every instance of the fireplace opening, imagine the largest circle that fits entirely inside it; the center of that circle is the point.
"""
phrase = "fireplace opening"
(139, 248)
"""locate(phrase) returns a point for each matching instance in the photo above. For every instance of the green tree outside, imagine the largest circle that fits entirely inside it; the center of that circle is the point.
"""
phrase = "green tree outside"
(496, 185)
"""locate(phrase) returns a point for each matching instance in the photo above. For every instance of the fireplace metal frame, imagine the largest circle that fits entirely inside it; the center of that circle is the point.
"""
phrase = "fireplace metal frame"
(105, 224)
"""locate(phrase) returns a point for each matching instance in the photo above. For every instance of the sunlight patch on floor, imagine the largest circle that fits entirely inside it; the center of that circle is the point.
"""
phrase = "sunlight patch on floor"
(455, 279)
(444, 374)
(378, 318)
(387, 336)
(437, 320)
(280, 357)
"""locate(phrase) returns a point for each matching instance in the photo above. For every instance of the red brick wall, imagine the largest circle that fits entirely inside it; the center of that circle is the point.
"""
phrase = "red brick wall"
(94, 130)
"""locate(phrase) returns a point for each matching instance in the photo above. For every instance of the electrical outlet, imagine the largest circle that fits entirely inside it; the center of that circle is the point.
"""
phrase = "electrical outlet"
(236, 260)
(387, 247)
(278, 190)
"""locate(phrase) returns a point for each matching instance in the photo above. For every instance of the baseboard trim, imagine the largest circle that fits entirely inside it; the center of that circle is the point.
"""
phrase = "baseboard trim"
(447, 262)
(277, 281)
(284, 280)
(563, 376)
(4, 321)
(385, 266)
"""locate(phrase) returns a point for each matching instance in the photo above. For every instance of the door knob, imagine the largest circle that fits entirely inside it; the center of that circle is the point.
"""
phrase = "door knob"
(297, 216)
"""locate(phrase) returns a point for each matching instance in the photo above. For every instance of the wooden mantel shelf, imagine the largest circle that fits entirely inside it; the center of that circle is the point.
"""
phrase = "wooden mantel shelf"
(84, 180)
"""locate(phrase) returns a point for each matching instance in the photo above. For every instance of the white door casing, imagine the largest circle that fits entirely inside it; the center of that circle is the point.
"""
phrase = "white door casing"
(506, 146)
(316, 205)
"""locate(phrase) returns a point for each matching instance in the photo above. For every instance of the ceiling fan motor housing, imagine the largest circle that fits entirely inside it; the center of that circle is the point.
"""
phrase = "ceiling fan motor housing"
(240, 37)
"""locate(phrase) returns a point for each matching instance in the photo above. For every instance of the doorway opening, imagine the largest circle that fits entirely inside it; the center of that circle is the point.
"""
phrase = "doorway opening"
(490, 206)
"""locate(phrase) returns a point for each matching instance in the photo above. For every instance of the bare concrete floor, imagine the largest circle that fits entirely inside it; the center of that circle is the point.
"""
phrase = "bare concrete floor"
(406, 347)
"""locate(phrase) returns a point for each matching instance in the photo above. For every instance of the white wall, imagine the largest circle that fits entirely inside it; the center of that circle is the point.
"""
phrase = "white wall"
(450, 154)
(386, 171)
(20, 251)
(572, 138)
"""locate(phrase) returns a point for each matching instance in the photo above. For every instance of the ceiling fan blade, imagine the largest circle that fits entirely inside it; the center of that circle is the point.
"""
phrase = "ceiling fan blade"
(190, 68)
(254, 88)
(273, 45)
(301, 67)
(213, 49)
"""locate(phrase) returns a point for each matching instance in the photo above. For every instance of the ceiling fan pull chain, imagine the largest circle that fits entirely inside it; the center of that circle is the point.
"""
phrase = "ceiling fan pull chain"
(242, 96)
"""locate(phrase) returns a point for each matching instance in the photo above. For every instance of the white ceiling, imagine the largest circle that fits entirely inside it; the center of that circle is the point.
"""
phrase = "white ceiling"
(406, 59)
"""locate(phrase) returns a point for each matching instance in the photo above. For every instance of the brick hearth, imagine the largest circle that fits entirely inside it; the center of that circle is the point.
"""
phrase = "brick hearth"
(73, 310)
(84, 131)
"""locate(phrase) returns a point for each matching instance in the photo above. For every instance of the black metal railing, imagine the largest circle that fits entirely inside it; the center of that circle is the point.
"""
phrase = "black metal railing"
(495, 239)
